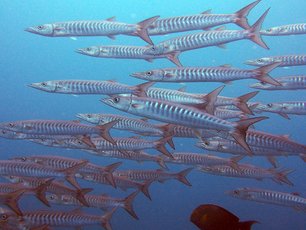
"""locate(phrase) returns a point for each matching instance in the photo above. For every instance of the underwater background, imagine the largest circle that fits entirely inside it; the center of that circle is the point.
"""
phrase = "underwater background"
(26, 58)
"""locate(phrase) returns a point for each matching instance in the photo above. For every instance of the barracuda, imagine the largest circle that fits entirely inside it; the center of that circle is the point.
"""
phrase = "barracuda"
(173, 47)
(59, 162)
(284, 109)
(107, 27)
(285, 60)
(182, 115)
(292, 200)
(201, 21)
(222, 74)
(59, 127)
(287, 83)
(104, 202)
(291, 29)
(90, 87)
(249, 171)
(154, 175)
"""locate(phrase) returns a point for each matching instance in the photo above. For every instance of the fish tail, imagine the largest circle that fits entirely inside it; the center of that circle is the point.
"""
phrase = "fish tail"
(86, 140)
(128, 204)
(239, 133)
(11, 200)
(40, 191)
(140, 90)
(145, 188)
(210, 100)
(242, 14)
(174, 58)
(70, 173)
(109, 170)
(234, 162)
(264, 76)
(142, 29)
(104, 131)
(106, 218)
(168, 132)
(247, 225)
(160, 146)
(161, 162)
(241, 102)
(181, 176)
(281, 176)
(80, 195)
(254, 31)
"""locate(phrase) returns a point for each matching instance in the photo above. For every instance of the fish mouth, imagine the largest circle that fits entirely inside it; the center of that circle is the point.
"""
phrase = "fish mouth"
(34, 85)
(81, 116)
(81, 51)
(31, 30)
(136, 74)
(250, 62)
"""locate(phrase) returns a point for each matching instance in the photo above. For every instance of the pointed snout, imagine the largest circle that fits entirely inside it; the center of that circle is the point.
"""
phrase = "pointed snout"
(81, 51)
(34, 85)
(136, 74)
(30, 29)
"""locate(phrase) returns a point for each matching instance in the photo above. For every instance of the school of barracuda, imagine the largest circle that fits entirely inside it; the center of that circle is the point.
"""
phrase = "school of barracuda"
(206, 117)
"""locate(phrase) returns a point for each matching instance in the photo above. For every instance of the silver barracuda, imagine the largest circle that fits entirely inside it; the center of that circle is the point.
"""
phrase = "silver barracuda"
(249, 171)
(154, 175)
(173, 47)
(285, 60)
(43, 219)
(222, 74)
(201, 21)
(104, 202)
(59, 127)
(284, 109)
(59, 162)
(108, 28)
(42, 186)
(291, 29)
(287, 83)
(120, 52)
(90, 87)
(179, 114)
(138, 156)
(292, 200)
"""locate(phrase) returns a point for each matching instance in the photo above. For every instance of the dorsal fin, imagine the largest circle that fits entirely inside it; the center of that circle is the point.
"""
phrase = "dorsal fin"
(226, 66)
(182, 89)
(207, 11)
(111, 19)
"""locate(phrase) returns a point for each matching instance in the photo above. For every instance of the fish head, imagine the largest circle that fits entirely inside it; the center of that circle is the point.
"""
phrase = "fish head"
(76, 143)
(22, 159)
(11, 134)
(58, 199)
(261, 85)
(271, 107)
(154, 75)
(155, 50)
(91, 118)
(44, 30)
(276, 31)
(47, 142)
(211, 169)
(12, 126)
(48, 86)
(241, 193)
(261, 61)
(93, 51)
(120, 102)
(14, 179)
(213, 145)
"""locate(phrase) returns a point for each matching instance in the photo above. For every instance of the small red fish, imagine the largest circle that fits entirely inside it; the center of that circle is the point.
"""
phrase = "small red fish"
(213, 217)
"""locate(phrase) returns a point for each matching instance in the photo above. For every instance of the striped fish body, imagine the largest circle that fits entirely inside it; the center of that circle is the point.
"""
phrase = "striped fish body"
(50, 127)
(144, 175)
(285, 60)
(129, 155)
(21, 136)
(287, 83)
(169, 112)
(245, 171)
(192, 22)
(9, 188)
(229, 114)
(188, 158)
(198, 74)
(291, 107)
(290, 29)
(124, 123)
(271, 197)
(13, 168)
(91, 28)
(117, 51)
(60, 219)
(83, 87)
(197, 40)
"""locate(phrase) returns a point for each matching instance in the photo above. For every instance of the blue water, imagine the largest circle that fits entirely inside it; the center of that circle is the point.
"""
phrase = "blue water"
(26, 58)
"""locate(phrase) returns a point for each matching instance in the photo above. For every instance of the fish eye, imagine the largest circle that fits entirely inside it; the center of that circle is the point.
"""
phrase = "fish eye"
(40, 27)
(11, 124)
(88, 49)
(269, 105)
(44, 84)
(52, 197)
(153, 48)
(3, 131)
(269, 30)
(263, 83)
(89, 116)
(236, 192)
(206, 143)
(116, 99)
(149, 73)
(80, 142)
(4, 217)
(23, 158)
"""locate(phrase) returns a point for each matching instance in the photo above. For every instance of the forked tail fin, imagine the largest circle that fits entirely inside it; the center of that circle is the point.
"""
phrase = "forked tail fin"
(254, 31)
(11, 200)
(210, 100)
(264, 76)
(160, 146)
(40, 191)
(128, 204)
(239, 134)
(109, 173)
(141, 89)
(242, 14)
(80, 195)
(104, 131)
(105, 219)
(144, 188)
(142, 29)
(241, 102)
(281, 176)
(181, 176)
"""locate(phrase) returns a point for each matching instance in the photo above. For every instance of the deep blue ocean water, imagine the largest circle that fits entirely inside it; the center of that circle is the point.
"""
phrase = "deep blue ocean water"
(26, 58)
